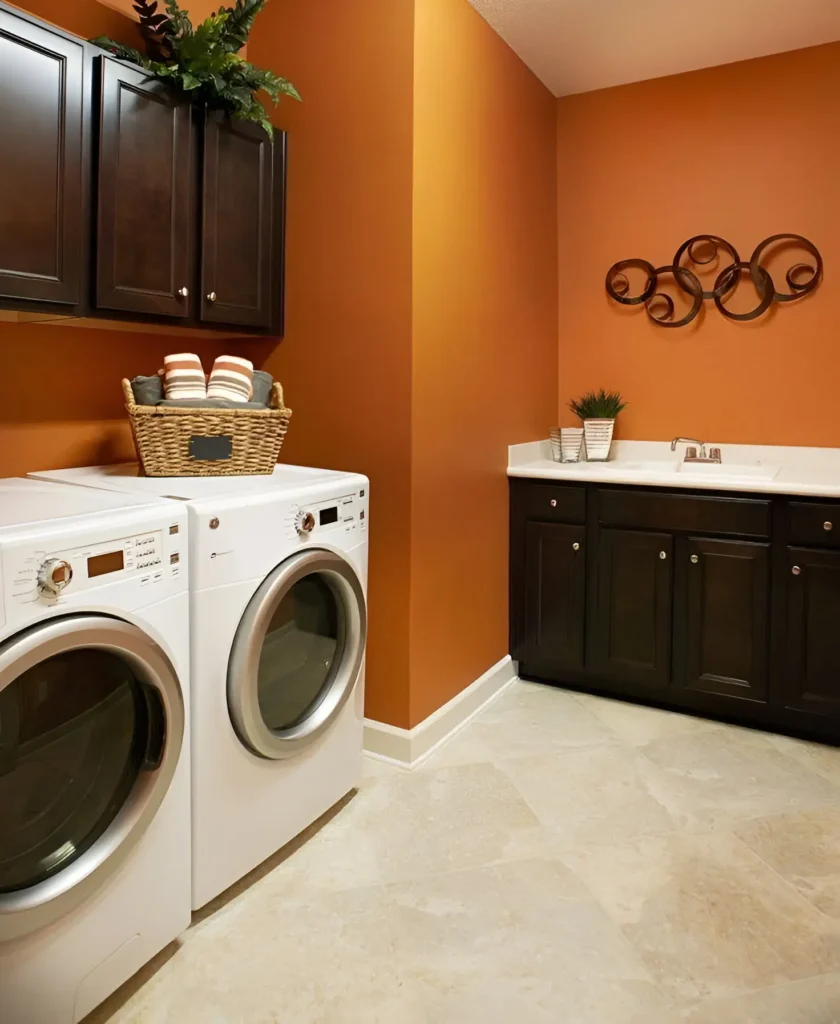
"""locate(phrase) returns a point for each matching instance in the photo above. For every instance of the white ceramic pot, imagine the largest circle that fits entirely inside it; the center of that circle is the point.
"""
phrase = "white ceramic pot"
(599, 435)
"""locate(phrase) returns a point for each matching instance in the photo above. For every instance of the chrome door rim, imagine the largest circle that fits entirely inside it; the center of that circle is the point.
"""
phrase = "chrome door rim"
(243, 668)
(28, 909)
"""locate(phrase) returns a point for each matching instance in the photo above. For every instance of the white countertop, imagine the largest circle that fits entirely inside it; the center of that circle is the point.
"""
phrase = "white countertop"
(764, 469)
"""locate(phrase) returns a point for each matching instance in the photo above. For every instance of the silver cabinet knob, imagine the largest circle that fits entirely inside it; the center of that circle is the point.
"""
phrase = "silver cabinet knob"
(184, 292)
(695, 559)
(575, 546)
(663, 555)
(211, 296)
(553, 503)
(828, 525)
(796, 571)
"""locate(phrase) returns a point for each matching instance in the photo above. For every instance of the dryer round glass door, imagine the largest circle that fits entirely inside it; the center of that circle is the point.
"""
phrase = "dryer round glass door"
(297, 653)
(91, 724)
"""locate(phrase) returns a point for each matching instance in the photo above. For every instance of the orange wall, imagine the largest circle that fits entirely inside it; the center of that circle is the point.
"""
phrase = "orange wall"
(346, 358)
(743, 151)
(485, 334)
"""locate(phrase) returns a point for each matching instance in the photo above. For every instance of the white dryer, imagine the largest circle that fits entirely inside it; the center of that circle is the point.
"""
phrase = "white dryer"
(94, 765)
(278, 571)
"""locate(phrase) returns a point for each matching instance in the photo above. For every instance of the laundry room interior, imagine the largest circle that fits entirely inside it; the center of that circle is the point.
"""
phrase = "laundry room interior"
(514, 689)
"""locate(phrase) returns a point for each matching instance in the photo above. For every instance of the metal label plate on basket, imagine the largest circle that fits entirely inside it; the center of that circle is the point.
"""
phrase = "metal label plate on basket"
(211, 449)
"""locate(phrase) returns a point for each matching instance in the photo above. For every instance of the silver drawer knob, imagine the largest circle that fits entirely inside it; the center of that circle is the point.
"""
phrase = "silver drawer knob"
(828, 525)
(575, 546)
(695, 559)
(553, 503)
(211, 296)
(184, 292)
(796, 571)
(663, 555)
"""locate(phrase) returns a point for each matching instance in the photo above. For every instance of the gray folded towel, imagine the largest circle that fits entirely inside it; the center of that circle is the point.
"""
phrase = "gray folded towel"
(207, 403)
(262, 386)
(147, 390)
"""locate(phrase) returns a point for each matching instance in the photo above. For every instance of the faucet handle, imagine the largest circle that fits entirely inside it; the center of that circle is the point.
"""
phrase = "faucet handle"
(714, 455)
(690, 453)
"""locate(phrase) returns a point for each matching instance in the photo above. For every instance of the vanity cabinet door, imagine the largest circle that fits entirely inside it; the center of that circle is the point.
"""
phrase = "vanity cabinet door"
(632, 631)
(145, 211)
(812, 680)
(555, 595)
(727, 610)
(42, 165)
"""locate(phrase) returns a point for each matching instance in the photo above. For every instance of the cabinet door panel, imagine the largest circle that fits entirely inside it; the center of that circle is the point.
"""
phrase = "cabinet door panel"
(237, 223)
(555, 596)
(727, 610)
(633, 627)
(144, 225)
(812, 681)
(41, 163)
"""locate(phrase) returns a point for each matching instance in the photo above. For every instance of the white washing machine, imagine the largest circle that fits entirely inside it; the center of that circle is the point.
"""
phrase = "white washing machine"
(278, 579)
(94, 744)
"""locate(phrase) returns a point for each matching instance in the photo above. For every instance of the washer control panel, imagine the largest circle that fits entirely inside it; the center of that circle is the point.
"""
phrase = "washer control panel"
(35, 575)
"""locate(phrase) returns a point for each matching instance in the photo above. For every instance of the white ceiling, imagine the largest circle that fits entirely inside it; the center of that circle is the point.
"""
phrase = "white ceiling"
(580, 45)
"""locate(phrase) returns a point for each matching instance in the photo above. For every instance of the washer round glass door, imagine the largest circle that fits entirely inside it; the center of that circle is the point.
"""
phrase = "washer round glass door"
(91, 726)
(297, 653)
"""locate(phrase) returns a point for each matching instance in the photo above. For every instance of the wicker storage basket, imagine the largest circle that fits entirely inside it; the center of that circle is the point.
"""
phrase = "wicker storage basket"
(208, 442)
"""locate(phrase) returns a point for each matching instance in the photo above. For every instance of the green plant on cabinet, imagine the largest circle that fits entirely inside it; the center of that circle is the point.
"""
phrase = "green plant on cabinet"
(205, 60)
(598, 405)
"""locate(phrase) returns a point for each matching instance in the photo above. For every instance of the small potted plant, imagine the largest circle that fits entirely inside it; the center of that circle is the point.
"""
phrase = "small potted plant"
(598, 410)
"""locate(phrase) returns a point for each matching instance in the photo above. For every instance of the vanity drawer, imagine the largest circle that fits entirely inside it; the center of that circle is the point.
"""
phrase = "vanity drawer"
(815, 525)
(554, 504)
(691, 513)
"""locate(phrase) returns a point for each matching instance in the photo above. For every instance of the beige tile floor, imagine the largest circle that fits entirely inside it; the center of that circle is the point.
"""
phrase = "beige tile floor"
(565, 859)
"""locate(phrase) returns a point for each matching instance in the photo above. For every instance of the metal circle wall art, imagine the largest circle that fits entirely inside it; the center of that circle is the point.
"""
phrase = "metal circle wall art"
(701, 251)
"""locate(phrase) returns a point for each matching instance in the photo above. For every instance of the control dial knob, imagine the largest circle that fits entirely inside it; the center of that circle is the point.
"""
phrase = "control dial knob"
(54, 575)
(304, 522)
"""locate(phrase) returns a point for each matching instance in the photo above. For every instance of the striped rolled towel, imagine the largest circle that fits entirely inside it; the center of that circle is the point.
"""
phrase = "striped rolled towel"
(184, 376)
(231, 378)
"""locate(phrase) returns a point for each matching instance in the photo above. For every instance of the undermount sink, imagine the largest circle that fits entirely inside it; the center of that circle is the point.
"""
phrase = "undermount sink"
(729, 471)
(619, 466)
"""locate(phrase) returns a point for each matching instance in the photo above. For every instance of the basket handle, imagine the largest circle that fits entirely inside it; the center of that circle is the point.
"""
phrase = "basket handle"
(128, 395)
(275, 398)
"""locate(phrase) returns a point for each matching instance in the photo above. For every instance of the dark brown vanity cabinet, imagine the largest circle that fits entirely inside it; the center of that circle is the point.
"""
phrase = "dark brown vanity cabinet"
(555, 593)
(715, 603)
(122, 200)
(43, 166)
(632, 627)
(144, 217)
(727, 617)
(812, 679)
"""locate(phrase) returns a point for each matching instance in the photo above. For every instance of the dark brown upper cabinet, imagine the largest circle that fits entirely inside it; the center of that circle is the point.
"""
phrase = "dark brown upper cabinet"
(727, 617)
(43, 168)
(123, 201)
(240, 262)
(144, 209)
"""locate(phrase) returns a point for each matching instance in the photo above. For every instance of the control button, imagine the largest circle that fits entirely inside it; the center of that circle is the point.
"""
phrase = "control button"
(173, 529)
(158, 577)
(54, 575)
(145, 581)
(174, 558)
(304, 522)
(362, 514)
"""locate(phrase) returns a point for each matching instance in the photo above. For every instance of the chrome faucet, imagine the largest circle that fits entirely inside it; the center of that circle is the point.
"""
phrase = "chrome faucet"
(691, 451)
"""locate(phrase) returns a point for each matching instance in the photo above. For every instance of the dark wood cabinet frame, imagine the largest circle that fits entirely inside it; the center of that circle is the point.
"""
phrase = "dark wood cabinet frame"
(95, 257)
(718, 603)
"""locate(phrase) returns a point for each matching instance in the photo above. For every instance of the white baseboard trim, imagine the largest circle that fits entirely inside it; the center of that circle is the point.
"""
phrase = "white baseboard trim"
(409, 747)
